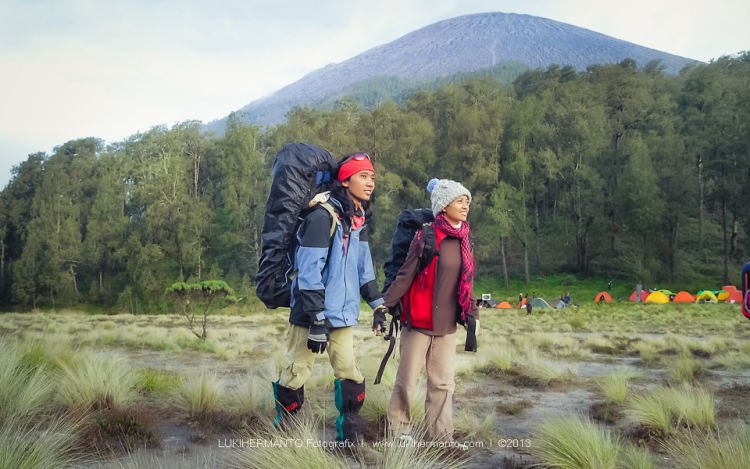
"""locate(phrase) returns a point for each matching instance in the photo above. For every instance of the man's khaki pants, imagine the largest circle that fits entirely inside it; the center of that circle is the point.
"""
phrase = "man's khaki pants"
(298, 361)
(438, 355)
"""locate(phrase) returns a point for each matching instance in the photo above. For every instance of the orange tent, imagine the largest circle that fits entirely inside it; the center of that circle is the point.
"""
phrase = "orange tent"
(684, 297)
(603, 296)
(503, 305)
(734, 297)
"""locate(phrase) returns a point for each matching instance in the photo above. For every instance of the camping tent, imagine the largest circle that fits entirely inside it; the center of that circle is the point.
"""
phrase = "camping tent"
(658, 298)
(537, 303)
(734, 297)
(503, 305)
(683, 297)
(706, 296)
(722, 295)
(603, 296)
(644, 295)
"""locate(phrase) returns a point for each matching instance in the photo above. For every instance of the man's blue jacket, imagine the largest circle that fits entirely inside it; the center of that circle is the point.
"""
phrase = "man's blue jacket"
(332, 272)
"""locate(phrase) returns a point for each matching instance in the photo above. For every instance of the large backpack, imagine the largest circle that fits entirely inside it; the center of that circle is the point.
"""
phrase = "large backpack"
(300, 171)
(409, 222)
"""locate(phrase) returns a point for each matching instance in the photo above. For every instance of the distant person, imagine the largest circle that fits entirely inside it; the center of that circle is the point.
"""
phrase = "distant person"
(529, 305)
(638, 292)
(566, 298)
(609, 285)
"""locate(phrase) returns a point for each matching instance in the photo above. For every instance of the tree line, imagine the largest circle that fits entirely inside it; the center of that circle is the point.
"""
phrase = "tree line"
(618, 170)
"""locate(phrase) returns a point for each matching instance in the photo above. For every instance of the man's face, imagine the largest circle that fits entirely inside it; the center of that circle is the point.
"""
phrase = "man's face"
(360, 185)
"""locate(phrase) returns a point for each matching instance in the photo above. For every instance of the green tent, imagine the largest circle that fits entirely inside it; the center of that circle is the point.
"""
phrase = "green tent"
(539, 303)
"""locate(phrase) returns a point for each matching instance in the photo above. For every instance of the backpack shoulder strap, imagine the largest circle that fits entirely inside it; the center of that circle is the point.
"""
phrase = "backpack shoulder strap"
(429, 246)
(334, 218)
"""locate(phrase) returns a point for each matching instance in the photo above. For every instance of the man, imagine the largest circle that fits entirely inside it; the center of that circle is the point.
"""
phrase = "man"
(333, 271)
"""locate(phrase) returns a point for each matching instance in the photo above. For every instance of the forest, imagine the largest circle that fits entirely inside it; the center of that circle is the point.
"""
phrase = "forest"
(620, 171)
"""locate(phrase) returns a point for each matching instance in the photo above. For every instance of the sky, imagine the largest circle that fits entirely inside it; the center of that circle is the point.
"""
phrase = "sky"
(112, 68)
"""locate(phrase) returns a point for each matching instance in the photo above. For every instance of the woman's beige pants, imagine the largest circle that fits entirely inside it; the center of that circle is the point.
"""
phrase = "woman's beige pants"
(437, 355)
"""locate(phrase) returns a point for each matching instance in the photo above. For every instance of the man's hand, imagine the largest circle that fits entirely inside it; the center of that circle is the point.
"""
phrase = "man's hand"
(378, 320)
(472, 330)
(317, 337)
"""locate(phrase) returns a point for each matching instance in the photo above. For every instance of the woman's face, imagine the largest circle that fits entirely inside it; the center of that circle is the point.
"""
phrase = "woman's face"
(360, 186)
(458, 210)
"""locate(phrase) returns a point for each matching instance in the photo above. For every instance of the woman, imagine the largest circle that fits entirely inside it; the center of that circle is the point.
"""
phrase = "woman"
(434, 300)
(334, 268)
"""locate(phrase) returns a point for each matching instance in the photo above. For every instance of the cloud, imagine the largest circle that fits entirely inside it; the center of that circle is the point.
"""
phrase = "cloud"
(106, 68)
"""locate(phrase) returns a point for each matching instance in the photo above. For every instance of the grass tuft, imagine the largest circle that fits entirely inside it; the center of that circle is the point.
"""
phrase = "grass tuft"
(574, 443)
(664, 409)
(97, 381)
(303, 430)
(200, 394)
(726, 449)
(615, 386)
(684, 369)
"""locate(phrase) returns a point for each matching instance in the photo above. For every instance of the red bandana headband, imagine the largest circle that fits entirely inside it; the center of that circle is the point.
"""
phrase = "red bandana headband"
(358, 162)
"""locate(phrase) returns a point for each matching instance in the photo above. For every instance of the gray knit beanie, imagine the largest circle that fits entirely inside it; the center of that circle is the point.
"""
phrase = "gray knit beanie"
(445, 191)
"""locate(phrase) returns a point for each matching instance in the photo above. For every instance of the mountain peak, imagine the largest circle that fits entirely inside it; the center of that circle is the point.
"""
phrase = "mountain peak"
(459, 45)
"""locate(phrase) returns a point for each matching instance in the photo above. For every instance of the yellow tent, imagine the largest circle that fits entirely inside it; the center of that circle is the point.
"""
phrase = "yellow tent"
(706, 297)
(723, 295)
(658, 298)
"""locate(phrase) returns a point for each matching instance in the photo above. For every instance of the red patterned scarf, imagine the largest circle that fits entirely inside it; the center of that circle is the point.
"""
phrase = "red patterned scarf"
(466, 284)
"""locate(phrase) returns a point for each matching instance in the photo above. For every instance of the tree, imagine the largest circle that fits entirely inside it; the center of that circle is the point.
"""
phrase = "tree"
(206, 295)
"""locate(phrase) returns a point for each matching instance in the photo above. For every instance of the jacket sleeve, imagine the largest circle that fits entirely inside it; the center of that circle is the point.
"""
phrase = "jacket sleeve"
(368, 286)
(312, 253)
(406, 273)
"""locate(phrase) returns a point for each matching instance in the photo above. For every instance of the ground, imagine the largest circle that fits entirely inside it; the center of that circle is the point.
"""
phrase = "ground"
(208, 403)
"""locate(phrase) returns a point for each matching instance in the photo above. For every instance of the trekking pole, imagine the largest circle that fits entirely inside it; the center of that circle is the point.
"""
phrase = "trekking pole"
(391, 337)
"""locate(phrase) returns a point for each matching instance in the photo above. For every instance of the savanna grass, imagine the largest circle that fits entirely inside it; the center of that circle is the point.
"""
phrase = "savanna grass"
(417, 451)
(252, 395)
(24, 390)
(574, 443)
(632, 457)
(725, 449)
(304, 447)
(475, 424)
(96, 380)
(158, 381)
(684, 369)
(200, 394)
(38, 444)
(615, 386)
(665, 409)
(537, 372)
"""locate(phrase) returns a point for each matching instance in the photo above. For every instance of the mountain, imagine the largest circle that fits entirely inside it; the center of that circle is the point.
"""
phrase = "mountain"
(505, 41)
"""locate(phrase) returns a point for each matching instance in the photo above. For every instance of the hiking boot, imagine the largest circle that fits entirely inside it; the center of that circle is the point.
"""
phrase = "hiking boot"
(288, 402)
(350, 397)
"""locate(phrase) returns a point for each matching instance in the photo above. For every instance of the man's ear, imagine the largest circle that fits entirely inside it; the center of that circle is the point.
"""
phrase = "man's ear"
(345, 183)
